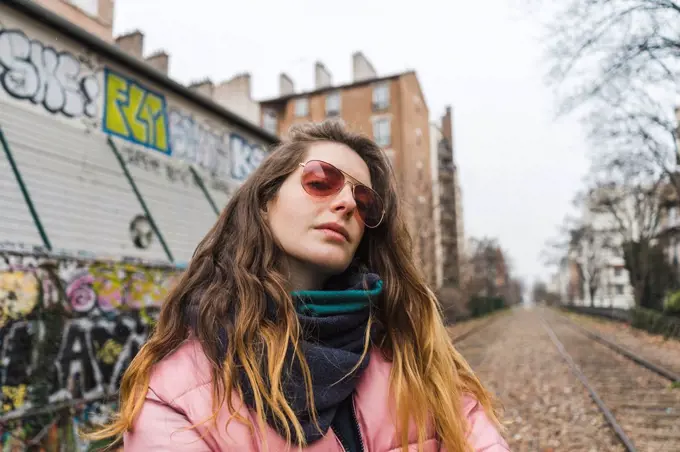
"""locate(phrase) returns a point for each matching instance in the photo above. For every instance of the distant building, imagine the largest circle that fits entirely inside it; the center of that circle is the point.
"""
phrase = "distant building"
(447, 200)
(390, 109)
(566, 282)
(604, 253)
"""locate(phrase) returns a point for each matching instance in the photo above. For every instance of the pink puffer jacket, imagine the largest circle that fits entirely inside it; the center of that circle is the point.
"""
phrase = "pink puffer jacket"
(179, 397)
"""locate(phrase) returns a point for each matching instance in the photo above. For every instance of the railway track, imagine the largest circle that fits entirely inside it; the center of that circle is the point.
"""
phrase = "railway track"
(477, 326)
(636, 399)
(662, 360)
(473, 343)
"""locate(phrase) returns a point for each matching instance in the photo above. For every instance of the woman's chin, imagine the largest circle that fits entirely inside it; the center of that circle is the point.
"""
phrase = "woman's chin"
(330, 262)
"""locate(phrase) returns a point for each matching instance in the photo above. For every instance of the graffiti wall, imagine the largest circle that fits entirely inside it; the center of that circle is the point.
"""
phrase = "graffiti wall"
(60, 98)
(56, 80)
(76, 83)
(68, 330)
(135, 113)
(68, 326)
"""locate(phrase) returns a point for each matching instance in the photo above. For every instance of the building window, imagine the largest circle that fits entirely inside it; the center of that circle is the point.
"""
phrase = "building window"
(301, 107)
(419, 136)
(381, 131)
(90, 7)
(619, 289)
(381, 96)
(333, 104)
(270, 122)
(617, 271)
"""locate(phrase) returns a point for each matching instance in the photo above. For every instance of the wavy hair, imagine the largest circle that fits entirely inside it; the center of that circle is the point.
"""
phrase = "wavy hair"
(236, 264)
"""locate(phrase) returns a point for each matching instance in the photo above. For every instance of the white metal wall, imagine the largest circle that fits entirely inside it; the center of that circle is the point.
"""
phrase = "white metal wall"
(176, 203)
(16, 223)
(77, 185)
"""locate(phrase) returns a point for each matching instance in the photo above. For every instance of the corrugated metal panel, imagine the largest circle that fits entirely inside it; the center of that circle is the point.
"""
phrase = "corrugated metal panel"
(77, 185)
(16, 223)
(175, 201)
(219, 193)
(221, 199)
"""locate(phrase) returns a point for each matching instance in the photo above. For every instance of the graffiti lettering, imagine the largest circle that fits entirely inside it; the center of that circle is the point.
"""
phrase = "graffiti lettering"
(135, 113)
(56, 80)
(174, 171)
(194, 142)
(246, 156)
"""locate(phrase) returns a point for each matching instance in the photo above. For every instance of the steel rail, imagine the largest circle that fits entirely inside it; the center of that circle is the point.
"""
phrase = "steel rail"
(668, 374)
(609, 416)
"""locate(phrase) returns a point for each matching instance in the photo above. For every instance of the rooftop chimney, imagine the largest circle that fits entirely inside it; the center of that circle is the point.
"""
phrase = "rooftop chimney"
(286, 85)
(235, 94)
(237, 85)
(322, 78)
(132, 43)
(362, 69)
(160, 61)
(205, 87)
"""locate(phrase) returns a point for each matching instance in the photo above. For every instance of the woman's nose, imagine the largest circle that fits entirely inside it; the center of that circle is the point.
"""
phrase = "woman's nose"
(345, 199)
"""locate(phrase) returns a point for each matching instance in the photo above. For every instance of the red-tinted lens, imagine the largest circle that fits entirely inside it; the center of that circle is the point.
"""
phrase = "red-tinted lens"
(369, 205)
(321, 179)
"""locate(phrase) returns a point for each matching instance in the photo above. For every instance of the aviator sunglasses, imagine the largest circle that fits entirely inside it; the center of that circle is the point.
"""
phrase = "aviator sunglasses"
(322, 179)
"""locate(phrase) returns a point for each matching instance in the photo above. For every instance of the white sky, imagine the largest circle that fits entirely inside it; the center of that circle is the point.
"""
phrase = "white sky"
(519, 168)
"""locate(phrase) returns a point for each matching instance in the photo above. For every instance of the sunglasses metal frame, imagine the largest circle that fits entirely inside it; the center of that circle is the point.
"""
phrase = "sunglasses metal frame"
(353, 183)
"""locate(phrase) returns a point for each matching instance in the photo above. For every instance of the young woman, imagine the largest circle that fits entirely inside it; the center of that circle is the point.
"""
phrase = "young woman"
(302, 322)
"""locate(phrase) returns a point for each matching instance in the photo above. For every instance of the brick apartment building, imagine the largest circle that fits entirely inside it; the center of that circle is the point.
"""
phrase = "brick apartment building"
(392, 110)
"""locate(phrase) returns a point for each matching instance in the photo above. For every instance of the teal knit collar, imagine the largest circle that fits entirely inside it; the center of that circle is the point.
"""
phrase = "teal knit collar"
(329, 302)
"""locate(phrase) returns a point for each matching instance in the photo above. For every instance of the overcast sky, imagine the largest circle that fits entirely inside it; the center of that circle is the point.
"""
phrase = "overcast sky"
(519, 167)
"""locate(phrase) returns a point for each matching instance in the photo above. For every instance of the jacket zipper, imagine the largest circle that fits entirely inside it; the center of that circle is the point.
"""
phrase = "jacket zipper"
(344, 446)
(356, 423)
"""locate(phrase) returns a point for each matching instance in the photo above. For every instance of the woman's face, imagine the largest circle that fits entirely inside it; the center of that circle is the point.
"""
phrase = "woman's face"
(303, 224)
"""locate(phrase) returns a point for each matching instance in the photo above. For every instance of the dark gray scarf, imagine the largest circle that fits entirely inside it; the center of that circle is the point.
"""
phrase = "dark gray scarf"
(333, 323)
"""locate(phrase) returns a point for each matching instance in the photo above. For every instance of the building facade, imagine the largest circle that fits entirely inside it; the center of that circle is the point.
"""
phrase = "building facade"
(447, 200)
(111, 174)
(93, 16)
(599, 260)
(390, 109)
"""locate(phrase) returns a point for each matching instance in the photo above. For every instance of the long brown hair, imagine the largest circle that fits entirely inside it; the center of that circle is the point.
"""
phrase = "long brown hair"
(235, 265)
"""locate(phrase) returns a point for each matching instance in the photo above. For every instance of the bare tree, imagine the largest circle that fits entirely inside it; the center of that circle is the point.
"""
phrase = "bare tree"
(490, 268)
(540, 293)
(584, 244)
(590, 249)
(632, 202)
(618, 62)
(597, 45)
(515, 292)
